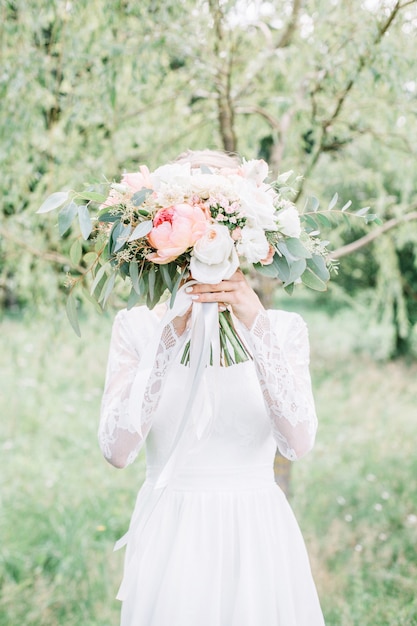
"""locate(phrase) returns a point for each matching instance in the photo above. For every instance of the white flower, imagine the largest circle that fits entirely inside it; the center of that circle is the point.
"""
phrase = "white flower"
(256, 169)
(214, 257)
(171, 173)
(257, 205)
(253, 244)
(289, 222)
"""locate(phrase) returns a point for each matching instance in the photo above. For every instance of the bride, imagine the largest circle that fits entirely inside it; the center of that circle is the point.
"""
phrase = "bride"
(216, 543)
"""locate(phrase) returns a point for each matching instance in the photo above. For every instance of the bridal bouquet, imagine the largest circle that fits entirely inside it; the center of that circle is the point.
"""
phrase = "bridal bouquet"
(160, 228)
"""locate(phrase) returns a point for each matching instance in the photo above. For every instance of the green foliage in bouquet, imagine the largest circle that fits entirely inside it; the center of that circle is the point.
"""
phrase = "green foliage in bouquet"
(120, 226)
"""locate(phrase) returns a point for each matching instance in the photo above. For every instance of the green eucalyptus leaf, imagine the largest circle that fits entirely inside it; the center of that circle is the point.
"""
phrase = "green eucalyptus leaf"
(310, 222)
(166, 276)
(296, 270)
(362, 211)
(139, 197)
(318, 265)
(151, 282)
(99, 275)
(289, 288)
(134, 276)
(54, 201)
(141, 230)
(346, 206)
(108, 217)
(312, 204)
(76, 252)
(115, 233)
(270, 271)
(297, 249)
(324, 220)
(65, 217)
(107, 289)
(283, 268)
(93, 196)
(310, 279)
(122, 238)
(333, 201)
(133, 299)
(72, 313)
(84, 219)
(90, 258)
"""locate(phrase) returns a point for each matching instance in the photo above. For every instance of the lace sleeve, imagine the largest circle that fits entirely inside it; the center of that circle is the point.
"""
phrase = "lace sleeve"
(282, 366)
(122, 431)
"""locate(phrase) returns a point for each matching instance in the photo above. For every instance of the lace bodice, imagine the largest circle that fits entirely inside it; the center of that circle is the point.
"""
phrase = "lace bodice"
(280, 370)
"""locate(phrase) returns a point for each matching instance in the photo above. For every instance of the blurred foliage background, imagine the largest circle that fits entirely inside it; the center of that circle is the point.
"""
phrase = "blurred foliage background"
(324, 87)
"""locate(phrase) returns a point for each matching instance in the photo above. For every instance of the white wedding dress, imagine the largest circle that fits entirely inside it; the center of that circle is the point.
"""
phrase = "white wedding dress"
(219, 546)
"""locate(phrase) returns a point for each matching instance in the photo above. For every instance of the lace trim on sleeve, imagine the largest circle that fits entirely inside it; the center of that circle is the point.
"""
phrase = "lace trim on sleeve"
(120, 434)
(283, 371)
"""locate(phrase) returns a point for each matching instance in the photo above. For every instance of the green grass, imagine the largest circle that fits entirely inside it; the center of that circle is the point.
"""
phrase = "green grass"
(62, 507)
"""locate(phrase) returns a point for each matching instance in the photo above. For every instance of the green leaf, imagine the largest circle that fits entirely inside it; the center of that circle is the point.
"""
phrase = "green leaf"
(289, 288)
(333, 201)
(116, 230)
(182, 276)
(122, 237)
(312, 204)
(134, 275)
(164, 269)
(92, 300)
(90, 258)
(270, 271)
(65, 217)
(100, 273)
(346, 206)
(151, 282)
(318, 265)
(139, 197)
(72, 313)
(84, 219)
(363, 211)
(283, 268)
(296, 269)
(310, 279)
(141, 230)
(108, 217)
(107, 289)
(54, 201)
(133, 299)
(285, 176)
(310, 222)
(324, 220)
(297, 249)
(94, 196)
(76, 252)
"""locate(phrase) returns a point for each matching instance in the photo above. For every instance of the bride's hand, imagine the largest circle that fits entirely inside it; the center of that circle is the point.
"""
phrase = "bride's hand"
(235, 292)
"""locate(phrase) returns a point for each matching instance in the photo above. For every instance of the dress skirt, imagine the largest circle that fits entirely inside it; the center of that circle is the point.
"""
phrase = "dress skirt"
(219, 547)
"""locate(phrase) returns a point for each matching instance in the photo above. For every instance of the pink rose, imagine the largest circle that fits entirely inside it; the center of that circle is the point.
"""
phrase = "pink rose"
(175, 229)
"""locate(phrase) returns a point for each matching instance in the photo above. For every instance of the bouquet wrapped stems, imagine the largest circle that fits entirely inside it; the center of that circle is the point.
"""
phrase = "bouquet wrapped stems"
(232, 349)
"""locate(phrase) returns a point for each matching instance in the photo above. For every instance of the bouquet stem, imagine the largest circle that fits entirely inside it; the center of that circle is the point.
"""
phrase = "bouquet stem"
(232, 349)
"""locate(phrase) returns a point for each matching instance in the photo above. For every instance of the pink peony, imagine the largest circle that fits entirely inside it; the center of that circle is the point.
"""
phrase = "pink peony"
(138, 180)
(175, 229)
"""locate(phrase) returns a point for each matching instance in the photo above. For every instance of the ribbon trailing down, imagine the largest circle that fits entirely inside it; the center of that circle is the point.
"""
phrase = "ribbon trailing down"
(204, 350)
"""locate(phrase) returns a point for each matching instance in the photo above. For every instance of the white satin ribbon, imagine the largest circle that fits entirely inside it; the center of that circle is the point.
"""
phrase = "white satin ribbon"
(200, 403)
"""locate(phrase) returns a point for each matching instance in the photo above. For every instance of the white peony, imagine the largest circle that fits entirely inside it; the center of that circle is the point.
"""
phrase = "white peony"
(289, 222)
(255, 169)
(214, 257)
(257, 205)
(253, 244)
(171, 173)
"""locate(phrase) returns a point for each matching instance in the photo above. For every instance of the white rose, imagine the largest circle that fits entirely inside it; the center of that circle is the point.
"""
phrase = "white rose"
(253, 244)
(171, 172)
(214, 257)
(257, 205)
(256, 169)
(289, 222)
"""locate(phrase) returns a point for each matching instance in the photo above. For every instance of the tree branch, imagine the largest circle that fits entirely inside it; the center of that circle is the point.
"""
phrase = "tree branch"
(54, 257)
(374, 234)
